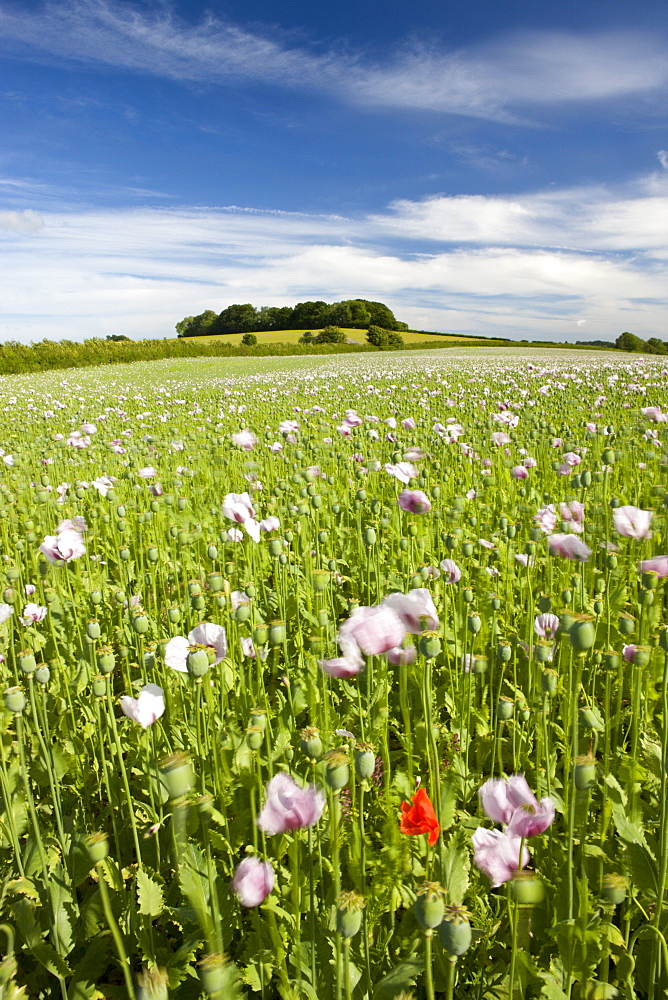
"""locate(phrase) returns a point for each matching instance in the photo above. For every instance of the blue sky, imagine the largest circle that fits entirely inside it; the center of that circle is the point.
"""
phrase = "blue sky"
(496, 168)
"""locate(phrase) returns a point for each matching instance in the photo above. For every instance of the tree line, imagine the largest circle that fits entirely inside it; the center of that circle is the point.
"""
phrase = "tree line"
(357, 314)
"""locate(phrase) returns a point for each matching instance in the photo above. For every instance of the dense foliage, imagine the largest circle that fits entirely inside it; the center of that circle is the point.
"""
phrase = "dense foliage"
(267, 631)
(352, 313)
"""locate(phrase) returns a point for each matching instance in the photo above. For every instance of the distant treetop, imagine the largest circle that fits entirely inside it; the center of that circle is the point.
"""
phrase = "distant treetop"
(237, 318)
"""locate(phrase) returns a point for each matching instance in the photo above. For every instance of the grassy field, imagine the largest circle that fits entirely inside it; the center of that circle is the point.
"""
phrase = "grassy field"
(292, 336)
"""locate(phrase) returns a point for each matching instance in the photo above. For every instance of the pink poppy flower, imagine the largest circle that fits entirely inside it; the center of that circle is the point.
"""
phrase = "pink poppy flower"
(244, 439)
(146, 708)
(403, 471)
(632, 522)
(33, 613)
(408, 424)
(573, 514)
(546, 625)
(148, 472)
(519, 472)
(452, 572)
(401, 656)
(569, 547)
(414, 501)
(628, 652)
(238, 507)
(64, 547)
(6, 611)
(658, 565)
(373, 629)
(546, 519)
(570, 458)
(415, 609)
(289, 806)
(513, 803)
(498, 854)
(235, 535)
(253, 881)
(343, 667)
(207, 634)
(525, 560)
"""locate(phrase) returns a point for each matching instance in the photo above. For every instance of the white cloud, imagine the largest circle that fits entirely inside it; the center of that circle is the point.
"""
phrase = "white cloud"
(497, 80)
(663, 158)
(27, 221)
(530, 266)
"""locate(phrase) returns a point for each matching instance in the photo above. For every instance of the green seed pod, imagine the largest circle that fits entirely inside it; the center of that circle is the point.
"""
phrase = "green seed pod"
(646, 598)
(584, 772)
(9, 595)
(276, 633)
(451, 542)
(197, 662)
(349, 914)
(598, 607)
(582, 635)
(527, 889)
(504, 652)
(567, 596)
(474, 624)
(242, 613)
(429, 906)
(495, 603)
(455, 930)
(411, 530)
(608, 456)
(124, 554)
(548, 682)
(365, 763)
(370, 536)
(93, 630)
(99, 686)
(219, 976)
(275, 546)
(642, 656)
(283, 559)
(590, 719)
(174, 614)
(403, 544)
(95, 597)
(310, 743)
(613, 889)
(254, 737)
(15, 700)
(42, 674)
(96, 846)
(177, 774)
(542, 651)
(467, 595)
(140, 624)
(626, 624)
(106, 661)
(649, 579)
(321, 580)
(585, 478)
(505, 708)
(429, 645)
(214, 583)
(26, 661)
(337, 772)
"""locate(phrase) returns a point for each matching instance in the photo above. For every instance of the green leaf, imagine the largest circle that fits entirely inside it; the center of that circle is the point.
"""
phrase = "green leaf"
(641, 867)
(149, 894)
(626, 829)
(456, 865)
(182, 961)
(25, 915)
(65, 909)
(402, 977)
(90, 969)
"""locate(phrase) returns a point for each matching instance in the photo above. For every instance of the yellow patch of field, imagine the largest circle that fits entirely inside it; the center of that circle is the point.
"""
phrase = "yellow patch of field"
(292, 337)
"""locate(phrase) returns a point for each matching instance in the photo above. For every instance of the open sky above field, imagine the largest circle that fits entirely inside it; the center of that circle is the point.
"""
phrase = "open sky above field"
(488, 168)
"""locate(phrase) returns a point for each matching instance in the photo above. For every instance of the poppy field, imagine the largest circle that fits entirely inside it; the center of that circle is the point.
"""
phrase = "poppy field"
(335, 678)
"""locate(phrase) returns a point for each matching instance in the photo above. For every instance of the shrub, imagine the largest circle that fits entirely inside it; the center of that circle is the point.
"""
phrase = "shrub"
(306, 337)
(249, 340)
(330, 335)
(379, 337)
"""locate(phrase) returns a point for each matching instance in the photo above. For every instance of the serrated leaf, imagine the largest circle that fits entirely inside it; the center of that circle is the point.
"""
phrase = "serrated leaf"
(641, 867)
(149, 894)
(182, 961)
(456, 865)
(25, 915)
(402, 977)
(626, 829)
(615, 790)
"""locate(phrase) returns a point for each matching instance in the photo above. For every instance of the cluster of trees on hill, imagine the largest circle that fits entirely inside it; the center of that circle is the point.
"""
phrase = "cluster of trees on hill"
(352, 313)
(629, 342)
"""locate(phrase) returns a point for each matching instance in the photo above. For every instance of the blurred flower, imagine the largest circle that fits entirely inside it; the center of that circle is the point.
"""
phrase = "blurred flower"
(30, 589)
(235, 534)
(77, 523)
(658, 565)
(403, 471)
(289, 806)
(419, 817)
(402, 656)
(414, 501)
(148, 472)
(253, 881)
(546, 519)
(519, 472)
(408, 424)
(415, 610)
(524, 559)
(569, 547)
(6, 611)
(498, 854)
(512, 803)
(373, 629)
(33, 613)
(573, 514)
(629, 651)
(63, 547)
(632, 522)
(207, 634)
(103, 484)
(146, 708)
(452, 572)
(247, 647)
(245, 440)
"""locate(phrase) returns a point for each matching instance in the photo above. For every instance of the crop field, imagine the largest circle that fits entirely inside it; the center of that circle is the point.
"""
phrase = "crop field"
(292, 337)
(335, 678)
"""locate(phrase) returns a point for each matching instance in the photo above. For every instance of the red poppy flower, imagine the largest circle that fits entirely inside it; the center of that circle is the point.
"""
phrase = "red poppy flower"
(419, 817)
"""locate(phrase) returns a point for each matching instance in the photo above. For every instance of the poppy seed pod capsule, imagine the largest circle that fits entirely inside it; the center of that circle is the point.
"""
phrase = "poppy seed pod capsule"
(467, 595)
(505, 708)
(322, 537)
(429, 645)
(177, 774)
(585, 478)
(310, 743)
(15, 700)
(106, 660)
(370, 536)
(474, 624)
(412, 530)
(242, 613)
(403, 544)
(365, 762)
(197, 603)
(337, 773)
(93, 629)
(321, 579)
(95, 597)
(614, 889)
(96, 846)
(543, 651)
(567, 596)
(174, 614)
(197, 662)
(646, 597)
(99, 686)
(140, 624)
(527, 889)
(254, 737)
(495, 603)
(27, 662)
(608, 456)
(429, 906)
(641, 656)
(219, 976)
(584, 772)
(275, 547)
(582, 635)
(42, 674)
(504, 652)
(649, 579)
(626, 624)
(349, 914)
(276, 633)
(455, 930)
(548, 682)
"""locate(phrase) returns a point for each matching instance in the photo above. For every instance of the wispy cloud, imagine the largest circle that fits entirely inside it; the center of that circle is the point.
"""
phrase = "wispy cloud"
(499, 80)
(526, 270)
(27, 221)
